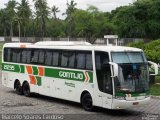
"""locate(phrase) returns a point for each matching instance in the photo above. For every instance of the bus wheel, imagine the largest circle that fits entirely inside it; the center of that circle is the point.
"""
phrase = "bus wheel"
(18, 88)
(87, 102)
(26, 89)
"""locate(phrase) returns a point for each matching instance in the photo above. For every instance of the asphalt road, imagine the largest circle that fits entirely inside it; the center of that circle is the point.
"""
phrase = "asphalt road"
(42, 107)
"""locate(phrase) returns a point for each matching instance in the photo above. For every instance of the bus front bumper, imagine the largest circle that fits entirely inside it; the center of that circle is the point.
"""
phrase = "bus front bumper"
(124, 104)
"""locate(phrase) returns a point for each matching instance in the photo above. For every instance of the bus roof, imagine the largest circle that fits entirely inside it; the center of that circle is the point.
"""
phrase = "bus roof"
(72, 45)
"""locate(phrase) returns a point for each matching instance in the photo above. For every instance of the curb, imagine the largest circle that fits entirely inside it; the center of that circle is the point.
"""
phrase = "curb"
(155, 97)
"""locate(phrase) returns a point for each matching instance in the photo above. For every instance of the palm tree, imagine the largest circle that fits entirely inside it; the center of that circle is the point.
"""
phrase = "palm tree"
(70, 9)
(10, 9)
(71, 6)
(4, 21)
(42, 12)
(24, 13)
(55, 10)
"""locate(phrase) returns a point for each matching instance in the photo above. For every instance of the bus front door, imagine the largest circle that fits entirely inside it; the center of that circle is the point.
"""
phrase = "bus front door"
(104, 79)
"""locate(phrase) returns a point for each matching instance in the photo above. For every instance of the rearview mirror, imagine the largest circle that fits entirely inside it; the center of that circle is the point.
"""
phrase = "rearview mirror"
(155, 66)
(115, 69)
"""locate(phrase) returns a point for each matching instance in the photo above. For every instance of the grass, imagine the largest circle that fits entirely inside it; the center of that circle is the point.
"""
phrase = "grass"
(155, 88)
(158, 78)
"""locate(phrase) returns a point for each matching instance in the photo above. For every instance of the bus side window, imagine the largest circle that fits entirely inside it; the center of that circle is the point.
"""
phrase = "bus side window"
(64, 59)
(7, 55)
(55, 58)
(35, 56)
(48, 60)
(72, 60)
(89, 64)
(16, 55)
(28, 56)
(24, 56)
(41, 57)
(81, 62)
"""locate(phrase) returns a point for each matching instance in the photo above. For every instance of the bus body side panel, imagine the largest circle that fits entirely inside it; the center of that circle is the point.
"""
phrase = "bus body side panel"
(9, 78)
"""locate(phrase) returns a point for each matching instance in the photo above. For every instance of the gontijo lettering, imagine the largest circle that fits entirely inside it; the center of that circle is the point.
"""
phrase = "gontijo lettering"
(71, 75)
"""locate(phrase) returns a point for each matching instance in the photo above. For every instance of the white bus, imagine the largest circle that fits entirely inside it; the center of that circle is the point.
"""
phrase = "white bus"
(112, 77)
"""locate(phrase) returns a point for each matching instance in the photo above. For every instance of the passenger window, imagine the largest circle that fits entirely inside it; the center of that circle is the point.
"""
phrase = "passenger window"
(24, 56)
(72, 58)
(81, 62)
(48, 60)
(28, 56)
(64, 59)
(41, 57)
(7, 54)
(89, 64)
(16, 56)
(35, 56)
(55, 58)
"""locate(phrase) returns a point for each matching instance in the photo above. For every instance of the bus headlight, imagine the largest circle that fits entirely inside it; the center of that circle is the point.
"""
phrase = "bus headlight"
(119, 97)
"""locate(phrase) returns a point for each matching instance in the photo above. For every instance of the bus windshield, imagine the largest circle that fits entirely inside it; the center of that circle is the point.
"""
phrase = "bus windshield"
(133, 72)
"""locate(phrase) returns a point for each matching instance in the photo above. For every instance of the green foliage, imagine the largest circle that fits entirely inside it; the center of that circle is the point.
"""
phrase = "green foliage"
(24, 13)
(42, 12)
(137, 20)
(155, 90)
(151, 49)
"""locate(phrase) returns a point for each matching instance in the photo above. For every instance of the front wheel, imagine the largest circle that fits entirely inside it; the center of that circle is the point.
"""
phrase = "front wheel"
(26, 89)
(87, 102)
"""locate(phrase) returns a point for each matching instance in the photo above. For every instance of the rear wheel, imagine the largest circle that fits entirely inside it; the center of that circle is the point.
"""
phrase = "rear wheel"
(87, 102)
(26, 89)
(18, 88)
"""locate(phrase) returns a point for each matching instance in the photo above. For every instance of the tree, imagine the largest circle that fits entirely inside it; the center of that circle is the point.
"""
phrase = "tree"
(24, 14)
(87, 29)
(42, 12)
(55, 10)
(70, 10)
(4, 20)
(10, 11)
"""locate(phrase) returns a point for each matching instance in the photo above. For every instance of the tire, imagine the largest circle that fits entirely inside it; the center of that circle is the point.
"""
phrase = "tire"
(87, 102)
(26, 89)
(18, 88)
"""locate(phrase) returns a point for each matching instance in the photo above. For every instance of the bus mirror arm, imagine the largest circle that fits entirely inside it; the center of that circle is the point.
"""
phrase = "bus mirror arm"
(115, 69)
(155, 68)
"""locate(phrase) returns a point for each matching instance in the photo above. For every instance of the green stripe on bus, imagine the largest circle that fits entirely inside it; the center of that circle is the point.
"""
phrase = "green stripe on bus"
(68, 74)
(13, 68)
(132, 94)
(22, 69)
(39, 83)
(84, 76)
(35, 70)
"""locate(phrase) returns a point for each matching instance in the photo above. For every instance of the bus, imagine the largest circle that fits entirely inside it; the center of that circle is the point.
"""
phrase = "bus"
(112, 77)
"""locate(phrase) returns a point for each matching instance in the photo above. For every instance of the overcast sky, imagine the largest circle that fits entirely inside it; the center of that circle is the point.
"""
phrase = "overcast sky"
(102, 5)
